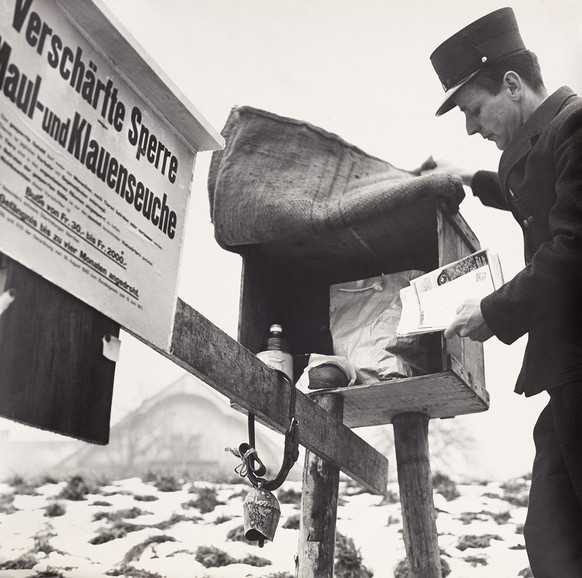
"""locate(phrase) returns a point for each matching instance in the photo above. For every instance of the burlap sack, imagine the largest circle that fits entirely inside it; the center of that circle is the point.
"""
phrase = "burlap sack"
(284, 179)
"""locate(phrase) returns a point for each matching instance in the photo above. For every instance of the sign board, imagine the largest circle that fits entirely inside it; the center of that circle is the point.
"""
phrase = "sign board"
(94, 181)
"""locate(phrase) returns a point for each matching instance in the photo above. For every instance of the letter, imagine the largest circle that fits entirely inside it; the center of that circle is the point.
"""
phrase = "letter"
(155, 219)
(106, 99)
(116, 111)
(172, 225)
(143, 139)
(33, 28)
(161, 148)
(88, 86)
(135, 120)
(47, 120)
(147, 204)
(152, 145)
(112, 172)
(93, 156)
(102, 164)
(5, 52)
(164, 216)
(99, 88)
(32, 105)
(46, 31)
(19, 89)
(64, 133)
(78, 72)
(138, 204)
(11, 83)
(20, 12)
(76, 147)
(167, 153)
(173, 169)
(53, 56)
(119, 116)
(130, 191)
(130, 194)
(121, 181)
(67, 55)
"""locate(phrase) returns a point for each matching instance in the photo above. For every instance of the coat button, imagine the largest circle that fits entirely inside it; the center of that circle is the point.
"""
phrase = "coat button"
(528, 221)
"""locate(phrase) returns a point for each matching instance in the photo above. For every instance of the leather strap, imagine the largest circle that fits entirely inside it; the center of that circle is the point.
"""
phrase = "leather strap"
(253, 467)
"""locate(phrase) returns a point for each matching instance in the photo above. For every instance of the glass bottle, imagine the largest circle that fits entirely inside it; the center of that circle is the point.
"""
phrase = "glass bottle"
(276, 352)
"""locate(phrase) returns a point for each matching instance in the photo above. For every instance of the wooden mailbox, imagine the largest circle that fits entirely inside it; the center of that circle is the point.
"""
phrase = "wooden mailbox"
(292, 288)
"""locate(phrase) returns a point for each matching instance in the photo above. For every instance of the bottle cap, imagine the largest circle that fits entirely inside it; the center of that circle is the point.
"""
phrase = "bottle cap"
(276, 328)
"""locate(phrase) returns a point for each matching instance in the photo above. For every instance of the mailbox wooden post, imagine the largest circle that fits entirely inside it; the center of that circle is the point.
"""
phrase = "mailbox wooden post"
(415, 482)
(319, 506)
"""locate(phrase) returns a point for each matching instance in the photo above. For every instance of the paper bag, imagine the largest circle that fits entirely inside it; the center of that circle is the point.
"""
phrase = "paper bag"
(363, 316)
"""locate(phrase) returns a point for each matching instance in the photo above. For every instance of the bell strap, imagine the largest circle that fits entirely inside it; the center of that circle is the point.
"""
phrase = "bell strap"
(253, 467)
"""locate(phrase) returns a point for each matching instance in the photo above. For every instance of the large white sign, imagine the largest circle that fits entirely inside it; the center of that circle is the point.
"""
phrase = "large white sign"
(94, 185)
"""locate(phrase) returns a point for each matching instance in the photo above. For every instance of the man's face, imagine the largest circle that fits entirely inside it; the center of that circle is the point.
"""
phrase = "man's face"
(495, 117)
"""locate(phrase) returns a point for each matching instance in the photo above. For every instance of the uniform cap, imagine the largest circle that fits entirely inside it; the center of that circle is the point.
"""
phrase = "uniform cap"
(463, 55)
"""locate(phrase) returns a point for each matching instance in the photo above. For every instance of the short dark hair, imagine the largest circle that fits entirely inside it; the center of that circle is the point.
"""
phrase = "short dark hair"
(523, 62)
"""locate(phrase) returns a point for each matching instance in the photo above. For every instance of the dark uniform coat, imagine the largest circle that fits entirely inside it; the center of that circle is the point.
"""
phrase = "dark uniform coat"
(540, 182)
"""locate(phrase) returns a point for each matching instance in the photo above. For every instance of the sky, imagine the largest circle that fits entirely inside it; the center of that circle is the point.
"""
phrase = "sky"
(360, 70)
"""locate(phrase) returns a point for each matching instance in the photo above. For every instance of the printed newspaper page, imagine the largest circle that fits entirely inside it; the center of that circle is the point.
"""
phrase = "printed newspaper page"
(430, 303)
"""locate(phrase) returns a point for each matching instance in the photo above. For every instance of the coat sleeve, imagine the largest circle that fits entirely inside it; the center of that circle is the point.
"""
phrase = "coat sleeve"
(485, 185)
(552, 282)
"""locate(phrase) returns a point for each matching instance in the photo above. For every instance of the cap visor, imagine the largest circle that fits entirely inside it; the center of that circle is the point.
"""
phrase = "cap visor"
(448, 103)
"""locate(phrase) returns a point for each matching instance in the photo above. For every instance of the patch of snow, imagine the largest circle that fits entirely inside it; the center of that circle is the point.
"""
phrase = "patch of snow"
(374, 524)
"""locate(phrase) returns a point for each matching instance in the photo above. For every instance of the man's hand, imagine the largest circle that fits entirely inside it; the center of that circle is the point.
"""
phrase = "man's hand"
(431, 166)
(469, 322)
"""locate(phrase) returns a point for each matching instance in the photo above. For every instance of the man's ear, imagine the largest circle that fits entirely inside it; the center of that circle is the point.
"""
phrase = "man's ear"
(513, 83)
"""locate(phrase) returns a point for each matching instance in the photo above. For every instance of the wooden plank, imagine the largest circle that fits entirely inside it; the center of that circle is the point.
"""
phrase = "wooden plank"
(437, 395)
(463, 356)
(204, 350)
(405, 238)
(53, 374)
(263, 300)
(319, 506)
(416, 497)
(464, 232)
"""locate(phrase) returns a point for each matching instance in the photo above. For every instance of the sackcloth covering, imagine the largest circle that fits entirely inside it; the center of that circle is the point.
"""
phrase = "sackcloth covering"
(281, 179)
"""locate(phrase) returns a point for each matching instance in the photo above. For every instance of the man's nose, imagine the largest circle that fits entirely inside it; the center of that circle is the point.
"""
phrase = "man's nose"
(472, 126)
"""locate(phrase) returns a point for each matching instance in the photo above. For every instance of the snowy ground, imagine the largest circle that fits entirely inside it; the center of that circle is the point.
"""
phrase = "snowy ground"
(160, 528)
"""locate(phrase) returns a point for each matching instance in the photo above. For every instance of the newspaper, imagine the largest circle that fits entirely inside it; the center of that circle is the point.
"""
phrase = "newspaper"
(431, 301)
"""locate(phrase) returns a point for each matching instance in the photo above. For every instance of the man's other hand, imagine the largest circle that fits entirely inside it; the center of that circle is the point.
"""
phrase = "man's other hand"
(432, 165)
(469, 322)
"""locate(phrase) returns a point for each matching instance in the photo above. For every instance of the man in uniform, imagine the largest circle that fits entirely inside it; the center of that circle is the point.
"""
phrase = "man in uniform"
(488, 73)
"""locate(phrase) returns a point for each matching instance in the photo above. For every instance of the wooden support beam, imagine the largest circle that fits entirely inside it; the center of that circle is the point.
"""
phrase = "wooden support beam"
(415, 483)
(319, 506)
(204, 350)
